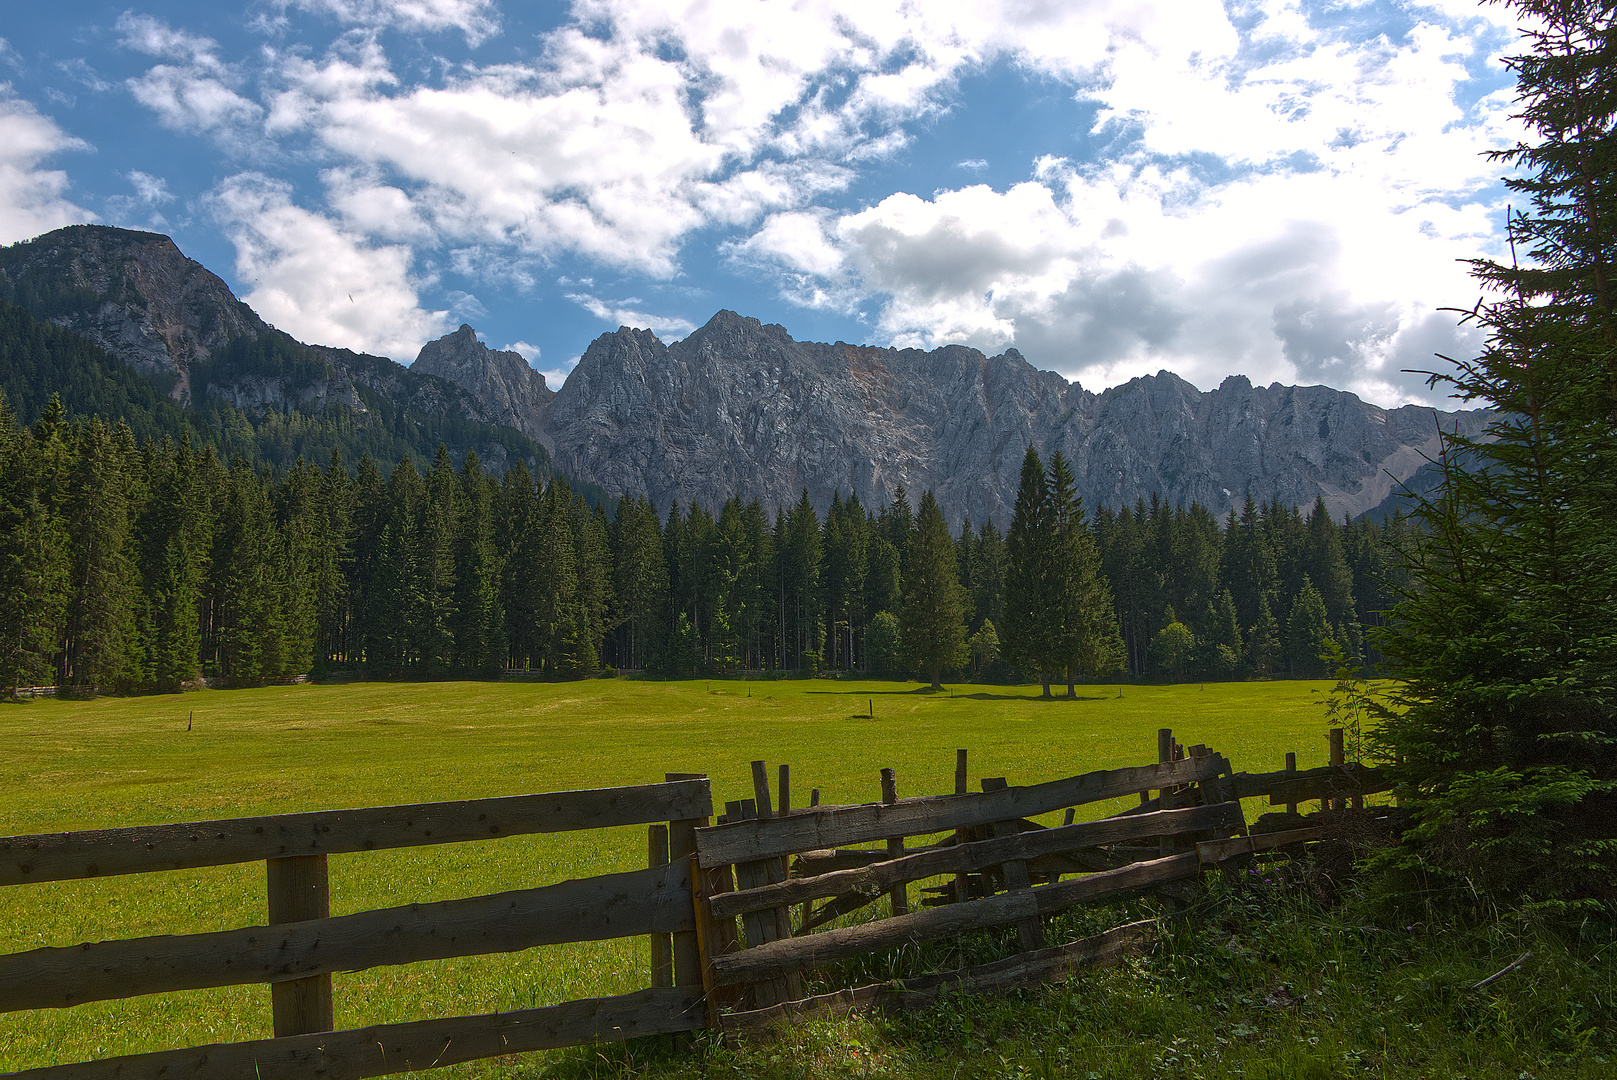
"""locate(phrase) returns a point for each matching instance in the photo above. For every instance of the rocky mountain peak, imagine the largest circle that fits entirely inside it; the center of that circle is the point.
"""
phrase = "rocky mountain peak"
(513, 392)
(133, 293)
(741, 408)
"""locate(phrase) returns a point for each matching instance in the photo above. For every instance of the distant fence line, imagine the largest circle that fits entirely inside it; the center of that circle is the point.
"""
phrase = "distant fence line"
(716, 901)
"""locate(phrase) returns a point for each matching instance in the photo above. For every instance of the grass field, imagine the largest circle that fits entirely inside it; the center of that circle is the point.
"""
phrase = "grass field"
(127, 761)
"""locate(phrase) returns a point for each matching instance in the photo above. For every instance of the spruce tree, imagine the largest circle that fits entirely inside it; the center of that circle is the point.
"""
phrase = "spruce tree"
(932, 621)
(1081, 606)
(1030, 636)
(1508, 738)
(99, 648)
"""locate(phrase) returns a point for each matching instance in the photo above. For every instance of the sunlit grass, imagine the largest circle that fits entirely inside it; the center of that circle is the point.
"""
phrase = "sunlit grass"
(128, 761)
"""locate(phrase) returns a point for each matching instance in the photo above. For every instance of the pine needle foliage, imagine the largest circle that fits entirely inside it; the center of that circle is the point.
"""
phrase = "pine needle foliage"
(1507, 735)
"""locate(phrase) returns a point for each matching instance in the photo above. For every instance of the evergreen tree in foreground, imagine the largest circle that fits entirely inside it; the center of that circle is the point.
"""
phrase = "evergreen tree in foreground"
(1507, 654)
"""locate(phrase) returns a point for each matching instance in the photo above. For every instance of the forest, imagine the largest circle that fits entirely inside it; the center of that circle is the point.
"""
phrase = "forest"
(139, 564)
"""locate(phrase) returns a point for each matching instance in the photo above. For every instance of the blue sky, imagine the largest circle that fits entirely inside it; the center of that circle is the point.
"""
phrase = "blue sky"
(1276, 188)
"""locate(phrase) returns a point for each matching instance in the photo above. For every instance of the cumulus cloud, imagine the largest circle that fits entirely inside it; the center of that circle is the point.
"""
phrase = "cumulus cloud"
(196, 93)
(477, 19)
(141, 208)
(317, 281)
(1281, 199)
(33, 200)
(623, 313)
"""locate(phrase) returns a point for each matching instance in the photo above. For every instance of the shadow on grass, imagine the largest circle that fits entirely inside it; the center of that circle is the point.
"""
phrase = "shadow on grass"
(927, 691)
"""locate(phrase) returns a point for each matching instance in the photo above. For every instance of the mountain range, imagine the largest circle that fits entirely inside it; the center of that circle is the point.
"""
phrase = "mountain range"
(738, 407)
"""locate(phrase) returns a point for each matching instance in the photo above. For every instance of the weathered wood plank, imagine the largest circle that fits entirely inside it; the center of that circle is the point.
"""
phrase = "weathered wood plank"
(1029, 930)
(299, 890)
(394, 1048)
(1305, 784)
(964, 858)
(682, 849)
(104, 852)
(802, 953)
(1045, 965)
(1212, 852)
(1330, 782)
(745, 840)
(647, 901)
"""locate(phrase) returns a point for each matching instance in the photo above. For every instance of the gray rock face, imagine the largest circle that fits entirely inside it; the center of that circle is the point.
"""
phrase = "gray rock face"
(741, 408)
(132, 293)
(137, 296)
(511, 392)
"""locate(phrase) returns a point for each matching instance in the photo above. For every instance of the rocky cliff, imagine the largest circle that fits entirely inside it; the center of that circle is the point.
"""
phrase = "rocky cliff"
(740, 407)
(139, 298)
(511, 392)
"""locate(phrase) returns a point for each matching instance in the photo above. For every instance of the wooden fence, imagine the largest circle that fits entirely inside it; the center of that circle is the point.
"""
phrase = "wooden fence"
(303, 945)
(999, 868)
(763, 859)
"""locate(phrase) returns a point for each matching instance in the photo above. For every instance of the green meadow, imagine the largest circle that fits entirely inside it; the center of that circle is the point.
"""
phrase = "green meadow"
(127, 761)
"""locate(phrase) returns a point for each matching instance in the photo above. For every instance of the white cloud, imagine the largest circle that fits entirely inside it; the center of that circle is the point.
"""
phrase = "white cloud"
(195, 94)
(140, 209)
(477, 19)
(618, 313)
(530, 353)
(32, 199)
(318, 282)
(1296, 218)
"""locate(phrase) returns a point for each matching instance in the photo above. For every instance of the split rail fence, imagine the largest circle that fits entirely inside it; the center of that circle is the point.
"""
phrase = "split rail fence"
(717, 902)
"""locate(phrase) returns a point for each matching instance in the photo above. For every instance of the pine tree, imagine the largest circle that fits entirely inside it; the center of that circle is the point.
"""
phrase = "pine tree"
(438, 524)
(1085, 623)
(1263, 640)
(1509, 735)
(99, 647)
(34, 562)
(933, 618)
(478, 625)
(641, 581)
(1031, 633)
(1307, 631)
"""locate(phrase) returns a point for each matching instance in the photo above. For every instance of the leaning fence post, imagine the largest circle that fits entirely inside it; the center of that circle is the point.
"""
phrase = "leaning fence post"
(1029, 930)
(299, 889)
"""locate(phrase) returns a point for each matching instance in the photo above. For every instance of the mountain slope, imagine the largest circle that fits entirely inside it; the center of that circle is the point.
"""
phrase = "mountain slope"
(135, 295)
(739, 407)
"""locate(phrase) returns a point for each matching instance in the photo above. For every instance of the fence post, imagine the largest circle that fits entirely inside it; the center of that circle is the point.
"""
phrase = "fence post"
(1164, 756)
(962, 881)
(688, 962)
(299, 889)
(1338, 759)
(1291, 767)
(662, 946)
(899, 894)
(1029, 931)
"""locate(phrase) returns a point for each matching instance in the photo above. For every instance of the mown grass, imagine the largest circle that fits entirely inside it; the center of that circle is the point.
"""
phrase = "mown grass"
(125, 761)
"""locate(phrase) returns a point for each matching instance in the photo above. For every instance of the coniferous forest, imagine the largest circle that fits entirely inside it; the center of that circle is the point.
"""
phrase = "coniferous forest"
(134, 564)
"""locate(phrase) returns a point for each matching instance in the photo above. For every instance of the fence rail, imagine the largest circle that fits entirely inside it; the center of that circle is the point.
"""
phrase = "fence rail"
(138, 850)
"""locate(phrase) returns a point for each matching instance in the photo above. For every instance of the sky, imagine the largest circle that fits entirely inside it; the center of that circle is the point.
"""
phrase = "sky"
(1283, 189)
